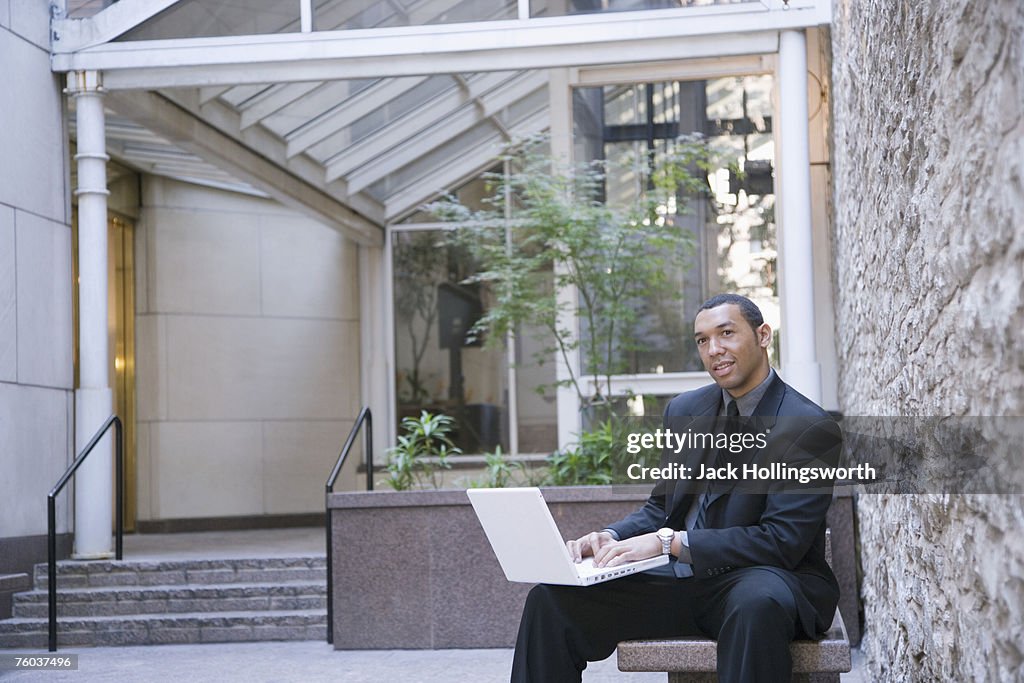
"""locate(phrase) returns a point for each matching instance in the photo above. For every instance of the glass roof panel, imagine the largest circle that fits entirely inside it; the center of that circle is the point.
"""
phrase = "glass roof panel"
(309, 107)
(440, 157)
(400, 106)
(240, 93)
(205, 18)
(331, 15)
(555, 8)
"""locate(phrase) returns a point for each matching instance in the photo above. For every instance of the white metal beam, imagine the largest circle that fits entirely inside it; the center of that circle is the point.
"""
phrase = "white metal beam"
(210, 94)
(185, 130)
(352, 109)
(466, 166)
(619, 37)
(675, 70)
(445, 130)
(70, 35)
(409, 126)
(273, 100)
(268, 145)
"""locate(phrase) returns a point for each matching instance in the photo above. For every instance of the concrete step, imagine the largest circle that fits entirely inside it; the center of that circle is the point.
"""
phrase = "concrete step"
(105, 573)
(109, 601)
(152, 629)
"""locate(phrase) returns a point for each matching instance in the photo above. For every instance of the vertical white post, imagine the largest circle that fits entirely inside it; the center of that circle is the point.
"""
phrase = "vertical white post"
(796, 268)
(374, 378)
(306, 15)
(568, 404)
(93, 397)
(510, 339)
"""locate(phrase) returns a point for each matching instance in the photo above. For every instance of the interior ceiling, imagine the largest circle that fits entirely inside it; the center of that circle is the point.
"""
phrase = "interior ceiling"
(383, 147)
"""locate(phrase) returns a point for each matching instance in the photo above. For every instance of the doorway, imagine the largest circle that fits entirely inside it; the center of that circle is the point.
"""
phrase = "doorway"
(121, 325)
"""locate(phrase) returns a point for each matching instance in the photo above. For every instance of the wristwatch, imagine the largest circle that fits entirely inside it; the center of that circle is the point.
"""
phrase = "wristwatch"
(665, 535)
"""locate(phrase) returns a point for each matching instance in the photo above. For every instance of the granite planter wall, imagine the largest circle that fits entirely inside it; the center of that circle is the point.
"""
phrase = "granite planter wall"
(414, 569)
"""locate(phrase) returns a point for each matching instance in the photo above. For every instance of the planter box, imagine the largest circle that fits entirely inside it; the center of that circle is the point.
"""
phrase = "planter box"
(414, 570)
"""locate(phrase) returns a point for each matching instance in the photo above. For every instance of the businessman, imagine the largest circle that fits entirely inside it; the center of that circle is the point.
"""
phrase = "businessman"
(747, 566)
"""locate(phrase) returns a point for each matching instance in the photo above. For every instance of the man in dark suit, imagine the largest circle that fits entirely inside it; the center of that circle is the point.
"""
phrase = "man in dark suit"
(747, 565)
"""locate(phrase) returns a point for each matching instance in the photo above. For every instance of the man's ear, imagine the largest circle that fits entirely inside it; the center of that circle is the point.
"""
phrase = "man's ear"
(764, 336)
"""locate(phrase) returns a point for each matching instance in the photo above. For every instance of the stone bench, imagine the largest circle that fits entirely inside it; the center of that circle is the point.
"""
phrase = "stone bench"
(694, 659)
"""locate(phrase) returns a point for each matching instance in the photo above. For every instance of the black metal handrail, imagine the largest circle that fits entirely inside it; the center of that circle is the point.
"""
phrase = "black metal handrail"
(365, 416)
(51, 513)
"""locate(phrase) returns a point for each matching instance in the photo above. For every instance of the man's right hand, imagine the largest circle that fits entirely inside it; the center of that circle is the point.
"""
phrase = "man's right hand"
(588, 545)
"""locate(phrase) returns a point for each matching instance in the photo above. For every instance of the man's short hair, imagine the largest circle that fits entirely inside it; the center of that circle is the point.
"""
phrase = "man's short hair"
(748, 309)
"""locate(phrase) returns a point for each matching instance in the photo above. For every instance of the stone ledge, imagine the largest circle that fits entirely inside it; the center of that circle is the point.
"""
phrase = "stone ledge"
(831, 654)
(458, 497)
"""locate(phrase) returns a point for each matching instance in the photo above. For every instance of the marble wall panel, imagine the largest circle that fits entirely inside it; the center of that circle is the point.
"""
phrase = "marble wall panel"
(307, 270)
(8, 298)
(34, 451)
(45, 335)
(202, 262)
(32, 177)
(261, 368)
(207, 469)
(297, 459)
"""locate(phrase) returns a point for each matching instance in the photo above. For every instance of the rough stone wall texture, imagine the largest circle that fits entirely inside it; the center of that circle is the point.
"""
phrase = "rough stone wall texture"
(929, 265)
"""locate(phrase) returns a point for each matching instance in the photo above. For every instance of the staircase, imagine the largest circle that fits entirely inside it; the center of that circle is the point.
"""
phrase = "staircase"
(175, 601)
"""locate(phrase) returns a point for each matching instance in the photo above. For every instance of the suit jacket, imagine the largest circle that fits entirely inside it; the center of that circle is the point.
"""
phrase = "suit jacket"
(778, 526)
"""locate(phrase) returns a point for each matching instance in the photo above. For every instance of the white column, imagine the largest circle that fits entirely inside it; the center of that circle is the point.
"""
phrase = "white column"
(375, 376)
(93, 398)
(796, 259)
(567, 401)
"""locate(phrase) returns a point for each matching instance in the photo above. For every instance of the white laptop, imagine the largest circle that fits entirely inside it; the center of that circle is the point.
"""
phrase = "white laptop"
(529, 548)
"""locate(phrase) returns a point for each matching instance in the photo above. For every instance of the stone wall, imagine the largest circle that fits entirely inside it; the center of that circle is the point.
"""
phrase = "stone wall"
(36, 365)
(247, 354)
(929, 262)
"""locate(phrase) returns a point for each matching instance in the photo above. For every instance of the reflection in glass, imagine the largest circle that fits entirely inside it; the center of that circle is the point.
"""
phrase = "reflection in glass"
(440, 367)
(732, 221)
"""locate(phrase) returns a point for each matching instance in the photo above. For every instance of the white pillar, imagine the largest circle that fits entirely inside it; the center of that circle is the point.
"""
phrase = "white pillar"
(796, 267)
(93, 398)
(567, 401)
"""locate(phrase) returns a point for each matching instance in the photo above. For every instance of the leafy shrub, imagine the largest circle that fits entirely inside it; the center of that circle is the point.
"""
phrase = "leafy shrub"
(423, 450)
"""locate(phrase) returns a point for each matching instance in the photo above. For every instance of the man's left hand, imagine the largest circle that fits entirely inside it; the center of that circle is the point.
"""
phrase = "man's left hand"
(628, 550)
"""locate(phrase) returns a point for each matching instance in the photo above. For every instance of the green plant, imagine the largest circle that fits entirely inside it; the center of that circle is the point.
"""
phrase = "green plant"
(423, 450)
(499, 472)
(599, 457)
(590, 461)
(561, 236)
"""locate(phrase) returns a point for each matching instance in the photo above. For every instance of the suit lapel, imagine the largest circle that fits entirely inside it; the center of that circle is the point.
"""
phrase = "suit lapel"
(763, 419)
(705, 411)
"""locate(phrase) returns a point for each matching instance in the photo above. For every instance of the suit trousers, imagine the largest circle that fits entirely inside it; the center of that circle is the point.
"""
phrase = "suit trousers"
(751, 612)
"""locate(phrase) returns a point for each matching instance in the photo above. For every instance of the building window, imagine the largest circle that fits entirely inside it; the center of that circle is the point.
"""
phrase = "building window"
(732, 222)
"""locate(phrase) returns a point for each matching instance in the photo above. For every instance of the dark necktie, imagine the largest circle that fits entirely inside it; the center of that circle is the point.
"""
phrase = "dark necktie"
(732, 412)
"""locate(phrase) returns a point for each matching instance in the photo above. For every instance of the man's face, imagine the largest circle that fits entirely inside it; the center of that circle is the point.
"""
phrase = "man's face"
(733, 354)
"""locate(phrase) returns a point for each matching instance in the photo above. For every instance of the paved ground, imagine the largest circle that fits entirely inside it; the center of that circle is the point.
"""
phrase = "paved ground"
(289, 661)
(308, 662)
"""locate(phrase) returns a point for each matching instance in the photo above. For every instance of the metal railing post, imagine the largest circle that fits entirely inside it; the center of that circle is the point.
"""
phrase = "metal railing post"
(365, 416)
(51, 515)
(119, 482)
(51, 568)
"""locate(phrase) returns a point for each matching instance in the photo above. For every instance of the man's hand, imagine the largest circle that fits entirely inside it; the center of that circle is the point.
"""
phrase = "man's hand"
(588, 545)
(629, 550)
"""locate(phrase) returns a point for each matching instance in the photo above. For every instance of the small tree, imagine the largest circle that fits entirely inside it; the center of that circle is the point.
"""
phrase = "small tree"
(562, 235)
